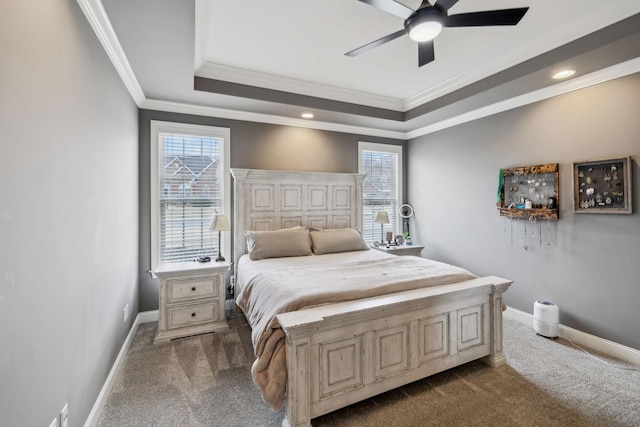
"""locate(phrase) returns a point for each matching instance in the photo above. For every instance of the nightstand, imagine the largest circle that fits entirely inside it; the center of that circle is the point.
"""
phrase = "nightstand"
(402, 250)
(192, 299)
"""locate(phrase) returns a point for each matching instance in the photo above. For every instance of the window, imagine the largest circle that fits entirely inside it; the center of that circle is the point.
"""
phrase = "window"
(382, 163)
(189, 184)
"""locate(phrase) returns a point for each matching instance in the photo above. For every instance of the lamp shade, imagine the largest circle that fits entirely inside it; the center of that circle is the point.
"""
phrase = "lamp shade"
(382, 217)
(219, 223)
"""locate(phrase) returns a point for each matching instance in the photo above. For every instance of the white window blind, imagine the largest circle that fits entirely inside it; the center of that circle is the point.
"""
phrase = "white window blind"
(190, 189)
(382, 189)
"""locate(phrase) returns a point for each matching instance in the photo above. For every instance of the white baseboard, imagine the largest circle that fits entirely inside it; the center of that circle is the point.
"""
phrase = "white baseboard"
(147, 316)
(610, 348)
(96, 410)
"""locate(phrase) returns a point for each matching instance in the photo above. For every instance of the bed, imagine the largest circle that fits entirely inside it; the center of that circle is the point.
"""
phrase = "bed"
(379, 322)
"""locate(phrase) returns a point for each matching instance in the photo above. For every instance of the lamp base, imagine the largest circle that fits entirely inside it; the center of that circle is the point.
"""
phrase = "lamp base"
(220, 257)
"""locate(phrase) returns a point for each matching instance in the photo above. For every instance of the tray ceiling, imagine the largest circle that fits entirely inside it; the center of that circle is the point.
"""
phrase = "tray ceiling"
(268, 61)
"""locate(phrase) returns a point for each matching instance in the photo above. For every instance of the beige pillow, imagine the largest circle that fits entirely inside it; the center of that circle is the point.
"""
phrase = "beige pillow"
(336, 240)
(279, 243)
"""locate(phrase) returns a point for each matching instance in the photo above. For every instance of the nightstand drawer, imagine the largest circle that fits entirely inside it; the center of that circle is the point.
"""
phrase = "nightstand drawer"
(179, 317)
(185, 290)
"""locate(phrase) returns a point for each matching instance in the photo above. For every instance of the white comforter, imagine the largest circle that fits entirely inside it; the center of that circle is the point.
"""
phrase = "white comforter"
(289, 284)
(248, 269)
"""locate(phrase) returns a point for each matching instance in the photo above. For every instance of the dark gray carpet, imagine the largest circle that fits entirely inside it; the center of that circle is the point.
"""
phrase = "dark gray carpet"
(206, 381)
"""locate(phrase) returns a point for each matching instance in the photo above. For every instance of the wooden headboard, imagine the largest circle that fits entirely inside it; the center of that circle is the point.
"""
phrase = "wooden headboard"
(271, 200)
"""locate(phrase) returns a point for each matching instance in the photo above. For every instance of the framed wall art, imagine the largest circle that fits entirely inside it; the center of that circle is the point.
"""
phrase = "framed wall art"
(602, 186)
(529, 191)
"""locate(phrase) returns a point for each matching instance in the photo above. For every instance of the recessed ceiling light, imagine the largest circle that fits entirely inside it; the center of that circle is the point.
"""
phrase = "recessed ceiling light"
(563, 74)
(307, 115)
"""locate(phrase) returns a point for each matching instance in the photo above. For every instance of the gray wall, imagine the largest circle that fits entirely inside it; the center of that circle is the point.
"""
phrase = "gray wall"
(68, 213)
(253, 146)
(591, 270)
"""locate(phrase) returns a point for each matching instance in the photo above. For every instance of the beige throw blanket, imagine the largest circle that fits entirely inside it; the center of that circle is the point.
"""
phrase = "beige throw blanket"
(290, 289)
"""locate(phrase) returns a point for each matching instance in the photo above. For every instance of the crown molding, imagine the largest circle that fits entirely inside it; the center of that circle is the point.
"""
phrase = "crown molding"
(301, 87)
(571, 31)
(613, 72)
(210, 70)
(576, 29)
(223, 113)
(97, 17)
(99, 21)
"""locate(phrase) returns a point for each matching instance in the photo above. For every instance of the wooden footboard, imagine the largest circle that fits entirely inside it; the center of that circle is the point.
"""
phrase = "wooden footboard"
(342, 353)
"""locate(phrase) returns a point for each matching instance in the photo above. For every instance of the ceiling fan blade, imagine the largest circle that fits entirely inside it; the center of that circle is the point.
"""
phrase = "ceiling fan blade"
(426, 53)
(486, 18)
(376, 43)
(445, 5)
(391, 6)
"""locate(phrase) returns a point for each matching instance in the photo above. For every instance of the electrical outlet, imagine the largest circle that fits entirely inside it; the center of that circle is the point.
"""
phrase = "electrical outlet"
(232, 280)
(126, 313)
(64, 416)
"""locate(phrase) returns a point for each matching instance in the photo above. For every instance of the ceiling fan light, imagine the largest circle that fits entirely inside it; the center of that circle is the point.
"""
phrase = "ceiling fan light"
(425, 31)
(424, 25)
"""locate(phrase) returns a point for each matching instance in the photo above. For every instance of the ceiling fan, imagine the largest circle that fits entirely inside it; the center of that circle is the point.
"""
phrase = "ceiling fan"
(424, 24)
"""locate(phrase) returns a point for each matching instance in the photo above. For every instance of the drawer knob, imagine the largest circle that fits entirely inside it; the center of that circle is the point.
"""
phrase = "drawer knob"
(193, 315)
(193, 288)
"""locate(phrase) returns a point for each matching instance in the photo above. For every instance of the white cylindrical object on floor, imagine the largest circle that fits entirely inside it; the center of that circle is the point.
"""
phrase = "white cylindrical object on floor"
(546, 317)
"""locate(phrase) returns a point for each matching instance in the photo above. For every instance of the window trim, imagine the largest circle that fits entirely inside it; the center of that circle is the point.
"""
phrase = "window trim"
(388, 149)
(158, 127)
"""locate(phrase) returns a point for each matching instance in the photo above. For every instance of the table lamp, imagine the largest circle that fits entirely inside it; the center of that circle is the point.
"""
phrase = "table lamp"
(383, 218)
(219, 223)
